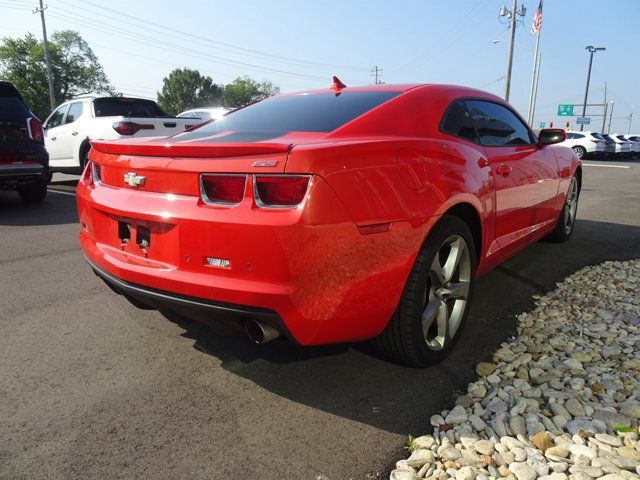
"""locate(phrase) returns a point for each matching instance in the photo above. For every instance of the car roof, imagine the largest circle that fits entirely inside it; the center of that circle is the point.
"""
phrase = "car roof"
(434, 88)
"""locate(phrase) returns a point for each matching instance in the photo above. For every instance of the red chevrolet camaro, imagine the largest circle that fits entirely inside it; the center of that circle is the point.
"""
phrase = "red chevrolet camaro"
(329, 216)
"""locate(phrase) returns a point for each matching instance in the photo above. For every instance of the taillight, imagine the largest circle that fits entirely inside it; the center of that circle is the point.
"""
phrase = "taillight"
(225, 189)
(280, 190)
(131, 128)
(96, 173)
(34, 126)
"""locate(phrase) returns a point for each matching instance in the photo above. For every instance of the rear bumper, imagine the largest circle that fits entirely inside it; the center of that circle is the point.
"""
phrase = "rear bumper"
(194, 308)
(14, 174)
(309, 270)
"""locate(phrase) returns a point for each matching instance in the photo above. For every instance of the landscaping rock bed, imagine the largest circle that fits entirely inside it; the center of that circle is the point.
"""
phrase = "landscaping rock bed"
(561, 400)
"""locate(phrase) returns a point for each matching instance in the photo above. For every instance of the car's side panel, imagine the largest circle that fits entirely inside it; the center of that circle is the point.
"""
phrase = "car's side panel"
(394, 180)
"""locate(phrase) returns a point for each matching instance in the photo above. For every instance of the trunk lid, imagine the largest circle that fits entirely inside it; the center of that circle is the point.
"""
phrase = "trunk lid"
(170, 165)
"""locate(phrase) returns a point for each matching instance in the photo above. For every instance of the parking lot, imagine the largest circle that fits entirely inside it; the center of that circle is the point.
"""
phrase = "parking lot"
(95, 388)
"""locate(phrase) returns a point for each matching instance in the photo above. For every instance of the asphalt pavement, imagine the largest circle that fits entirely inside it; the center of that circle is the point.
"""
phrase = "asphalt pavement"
(93, 388)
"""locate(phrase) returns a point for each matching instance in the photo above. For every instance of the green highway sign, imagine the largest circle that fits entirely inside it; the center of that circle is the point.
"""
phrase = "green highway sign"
(565, 110)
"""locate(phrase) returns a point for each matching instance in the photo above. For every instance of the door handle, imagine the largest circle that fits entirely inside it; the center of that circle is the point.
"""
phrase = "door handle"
(504, 169)
(74, 133)
(53, 139)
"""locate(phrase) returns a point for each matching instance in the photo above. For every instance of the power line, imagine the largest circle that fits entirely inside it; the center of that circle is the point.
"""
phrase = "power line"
(419, 59)
(164, 62)
(192, 36)
(173, 47)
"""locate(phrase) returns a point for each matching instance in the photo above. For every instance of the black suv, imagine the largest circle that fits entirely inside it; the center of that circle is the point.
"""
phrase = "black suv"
(24, 162)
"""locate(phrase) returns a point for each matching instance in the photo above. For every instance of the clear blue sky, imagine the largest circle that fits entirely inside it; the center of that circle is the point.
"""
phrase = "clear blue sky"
(412, 41)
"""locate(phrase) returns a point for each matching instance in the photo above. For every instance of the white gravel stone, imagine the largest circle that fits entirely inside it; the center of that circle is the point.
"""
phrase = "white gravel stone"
(523, 471)
(419, 457)
(457, 415)
(570, 371)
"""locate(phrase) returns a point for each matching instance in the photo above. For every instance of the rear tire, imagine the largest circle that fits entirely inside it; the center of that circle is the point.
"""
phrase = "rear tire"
(33, 192)
(566, 221)
(435, 301)
(83, 156)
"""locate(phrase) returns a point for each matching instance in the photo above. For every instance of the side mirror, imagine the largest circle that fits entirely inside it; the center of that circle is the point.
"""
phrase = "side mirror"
(550, 136)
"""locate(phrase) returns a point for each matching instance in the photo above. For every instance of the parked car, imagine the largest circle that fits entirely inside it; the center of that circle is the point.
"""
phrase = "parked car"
(205, 114)
(24, 163)
(623, 147)
(585, 144)
(634, 147)
(610, 146)
(636, 139)
(71, 127)
(329, 216)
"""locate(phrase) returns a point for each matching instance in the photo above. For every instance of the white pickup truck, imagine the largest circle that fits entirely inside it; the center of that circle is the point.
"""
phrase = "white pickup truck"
(70, 127)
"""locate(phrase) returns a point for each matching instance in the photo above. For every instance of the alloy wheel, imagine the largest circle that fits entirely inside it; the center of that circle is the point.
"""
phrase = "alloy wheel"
(571, 206)
(447, 291)
(579, 151)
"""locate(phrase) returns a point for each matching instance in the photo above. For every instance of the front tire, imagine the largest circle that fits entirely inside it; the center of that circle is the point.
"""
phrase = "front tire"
(435, 301)
(579, 151)
(566, 221)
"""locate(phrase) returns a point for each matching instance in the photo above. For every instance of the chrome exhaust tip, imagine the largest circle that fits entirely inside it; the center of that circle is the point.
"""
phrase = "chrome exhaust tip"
(260, 332)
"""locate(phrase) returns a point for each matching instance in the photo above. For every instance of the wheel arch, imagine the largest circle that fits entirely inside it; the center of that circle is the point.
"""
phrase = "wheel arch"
(469, 215)
(578, 175)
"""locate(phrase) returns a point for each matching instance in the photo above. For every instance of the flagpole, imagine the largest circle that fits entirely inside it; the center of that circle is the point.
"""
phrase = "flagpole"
(534, 73)
(535, 88)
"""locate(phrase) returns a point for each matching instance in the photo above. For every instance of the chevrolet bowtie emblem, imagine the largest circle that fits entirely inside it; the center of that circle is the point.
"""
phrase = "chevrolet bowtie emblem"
(133, 180)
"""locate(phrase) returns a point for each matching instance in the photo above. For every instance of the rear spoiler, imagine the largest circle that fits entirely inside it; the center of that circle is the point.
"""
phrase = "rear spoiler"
(193, 150)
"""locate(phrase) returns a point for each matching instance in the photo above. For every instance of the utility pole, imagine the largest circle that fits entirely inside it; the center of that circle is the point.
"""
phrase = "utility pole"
(604, 116)
(376, 73)
(610, 117)
(504, 12)
(591, 50)
(630, 120)
(52, 97)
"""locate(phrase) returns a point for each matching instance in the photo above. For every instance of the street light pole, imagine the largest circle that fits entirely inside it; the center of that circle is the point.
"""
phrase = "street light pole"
(591, 50)
(630, 120)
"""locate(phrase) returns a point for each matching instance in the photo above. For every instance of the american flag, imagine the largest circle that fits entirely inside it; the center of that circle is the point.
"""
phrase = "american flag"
(537, 20)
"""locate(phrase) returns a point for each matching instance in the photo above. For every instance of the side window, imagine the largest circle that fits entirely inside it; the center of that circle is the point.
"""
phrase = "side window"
(497, 125)
(75, 110)
(578, 135)
(458, 122)
(570, 136)
(55, 120)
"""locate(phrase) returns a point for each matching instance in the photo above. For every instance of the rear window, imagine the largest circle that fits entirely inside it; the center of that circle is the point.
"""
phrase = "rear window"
(597, 135)
(127, 107)
(607, 137)
(320, 112)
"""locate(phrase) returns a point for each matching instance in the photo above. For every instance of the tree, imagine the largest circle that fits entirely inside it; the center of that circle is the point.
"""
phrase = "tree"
(245, 90)
(76, 70)
(185, 88)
